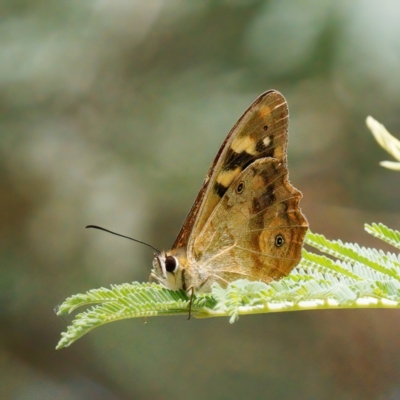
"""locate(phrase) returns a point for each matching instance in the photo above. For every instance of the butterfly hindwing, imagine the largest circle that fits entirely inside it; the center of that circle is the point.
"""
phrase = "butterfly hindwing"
(255, 232)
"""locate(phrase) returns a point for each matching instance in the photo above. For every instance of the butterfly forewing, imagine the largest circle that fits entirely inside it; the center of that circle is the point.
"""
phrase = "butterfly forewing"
(261, 132)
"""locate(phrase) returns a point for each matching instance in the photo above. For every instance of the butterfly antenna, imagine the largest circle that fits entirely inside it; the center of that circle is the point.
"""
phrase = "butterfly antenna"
(126, 237)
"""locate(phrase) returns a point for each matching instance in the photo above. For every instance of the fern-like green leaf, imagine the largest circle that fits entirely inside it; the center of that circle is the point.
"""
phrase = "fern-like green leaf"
(351, 253)
(350, 276)
(384, 233)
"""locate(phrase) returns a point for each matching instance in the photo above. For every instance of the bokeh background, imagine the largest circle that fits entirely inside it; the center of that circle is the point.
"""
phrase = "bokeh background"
(111, 112)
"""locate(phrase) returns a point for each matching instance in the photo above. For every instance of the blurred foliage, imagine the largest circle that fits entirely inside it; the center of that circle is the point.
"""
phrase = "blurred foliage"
(387, 142)
(111, 112)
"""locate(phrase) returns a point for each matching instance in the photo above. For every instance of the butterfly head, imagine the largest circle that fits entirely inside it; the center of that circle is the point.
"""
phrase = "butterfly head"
(167, 270)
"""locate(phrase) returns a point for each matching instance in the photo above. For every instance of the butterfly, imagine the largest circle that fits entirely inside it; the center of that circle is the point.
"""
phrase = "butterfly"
(246, 221)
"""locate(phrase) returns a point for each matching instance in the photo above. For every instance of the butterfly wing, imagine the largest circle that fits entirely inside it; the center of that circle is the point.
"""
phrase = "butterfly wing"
(260, 132)
(255, 232)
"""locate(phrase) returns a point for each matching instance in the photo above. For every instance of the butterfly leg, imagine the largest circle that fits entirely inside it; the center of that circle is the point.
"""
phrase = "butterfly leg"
(191, 289)
(153, 277)
(191, 300)
(225, 282)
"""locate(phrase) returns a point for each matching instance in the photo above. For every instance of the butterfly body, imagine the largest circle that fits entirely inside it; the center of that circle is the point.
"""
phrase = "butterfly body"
(246, 221)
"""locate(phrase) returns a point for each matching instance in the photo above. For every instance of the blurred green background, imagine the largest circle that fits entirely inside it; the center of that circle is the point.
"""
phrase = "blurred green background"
(111, 112)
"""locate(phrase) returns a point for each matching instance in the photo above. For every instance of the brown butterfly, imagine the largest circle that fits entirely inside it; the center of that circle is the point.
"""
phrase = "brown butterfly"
(246, 221)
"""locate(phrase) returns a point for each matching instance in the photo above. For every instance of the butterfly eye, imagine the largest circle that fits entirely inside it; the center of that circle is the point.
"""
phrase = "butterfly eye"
(279, 240)
(265, 127)
(240, 188)
(171, 263)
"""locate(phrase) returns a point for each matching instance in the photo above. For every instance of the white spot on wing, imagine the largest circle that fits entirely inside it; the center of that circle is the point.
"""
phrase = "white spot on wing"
(267, 141)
